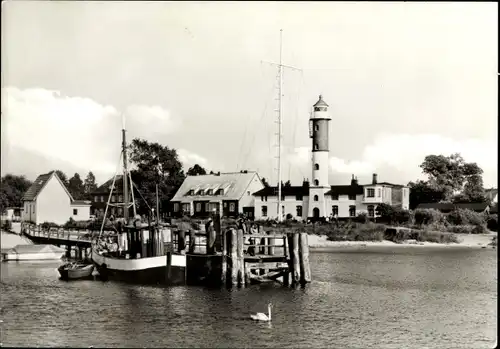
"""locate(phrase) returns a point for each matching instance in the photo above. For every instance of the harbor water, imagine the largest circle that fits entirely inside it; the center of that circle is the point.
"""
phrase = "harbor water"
(412, 297)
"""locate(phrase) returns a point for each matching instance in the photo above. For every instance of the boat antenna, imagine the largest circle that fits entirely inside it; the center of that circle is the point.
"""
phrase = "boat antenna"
(281, 67)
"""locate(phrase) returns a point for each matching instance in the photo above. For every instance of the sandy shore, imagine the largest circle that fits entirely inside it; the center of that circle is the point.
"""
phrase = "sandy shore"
(466, 240)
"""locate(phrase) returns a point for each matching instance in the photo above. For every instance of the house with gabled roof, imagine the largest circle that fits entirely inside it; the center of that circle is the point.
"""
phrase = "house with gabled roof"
(48, 200)
(228, 194)
(101, 195)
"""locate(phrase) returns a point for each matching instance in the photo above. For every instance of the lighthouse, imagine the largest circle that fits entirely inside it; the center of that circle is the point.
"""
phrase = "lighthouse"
(318, 132)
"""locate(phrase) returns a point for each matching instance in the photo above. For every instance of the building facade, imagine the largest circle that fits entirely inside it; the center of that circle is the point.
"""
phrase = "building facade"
(319, 199)
(48, 200)
(101, 196)
(228, 194)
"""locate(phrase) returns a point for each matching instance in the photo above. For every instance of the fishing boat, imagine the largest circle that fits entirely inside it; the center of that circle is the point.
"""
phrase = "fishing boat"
(76, 270)
(139, 252)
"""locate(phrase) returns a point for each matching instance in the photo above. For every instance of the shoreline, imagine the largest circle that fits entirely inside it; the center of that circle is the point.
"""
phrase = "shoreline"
(479, 241)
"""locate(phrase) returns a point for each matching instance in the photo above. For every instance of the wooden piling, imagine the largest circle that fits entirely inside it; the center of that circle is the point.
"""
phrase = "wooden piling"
(219, 235)
(224, 239)
(241, 258)
(305, 269)
(192, 241)
(271, 243)
(293, 247)
(181, 241)
(233, 248)
(210, 231)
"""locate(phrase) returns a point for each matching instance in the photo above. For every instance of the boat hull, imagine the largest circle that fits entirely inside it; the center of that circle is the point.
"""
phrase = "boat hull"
(77, 273)
(150, 270)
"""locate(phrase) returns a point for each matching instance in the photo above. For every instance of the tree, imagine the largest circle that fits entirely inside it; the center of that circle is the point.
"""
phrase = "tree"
(62, 176)
(196, 170)
(264, 181)
(76, 187)
(421, 192)
(287, 184)
(89, 185)
(451, 175)
(155, 164)
(12, 190)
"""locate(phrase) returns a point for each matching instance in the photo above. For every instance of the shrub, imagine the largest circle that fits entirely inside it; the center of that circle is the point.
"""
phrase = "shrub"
(7, 225)
(461, 229)
(461, 216)
(356, 232)
(393, 215)
(48, 225)
(479, 229)
(361, 218)
(289, 216)
(492, 222)
(428, 216)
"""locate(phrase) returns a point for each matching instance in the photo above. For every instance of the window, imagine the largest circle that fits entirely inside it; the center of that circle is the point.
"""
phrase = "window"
(232, 207)
(113, 210)
(335, 196)
(120, 198)
(186, 208)
(112, 198)
(299, 211)
(210, 192)
(264, 211)
(176, 207)
(316, 147)
(316, 182)
(75, 212)
(316, 127)
(191, 192)
(371, 211)
(120, 211)
(316, 198)
(96, 198)
(299, 197)
(379, 192)
(335, 210)
(352, 211)
(370, 192)
(198, 207)
(201, 192)
(219, 192)
(352, 196)
(316, 166)
(102, 198)
(319, 108)
(207, 207)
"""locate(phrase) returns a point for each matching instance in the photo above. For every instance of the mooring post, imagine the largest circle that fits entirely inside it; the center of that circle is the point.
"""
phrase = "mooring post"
(224, 258)
(192, 241)
(295, 258)
(68, 251)
(270, 242)
(241, 258)
(181, 240)
(210, 231)
(234, 256)
(305, 269)
(218, 232)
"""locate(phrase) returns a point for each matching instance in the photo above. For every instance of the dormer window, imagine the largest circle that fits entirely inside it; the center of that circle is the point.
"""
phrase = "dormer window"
(210, 192)
(201, 192)
(191, 192)
(219, 192)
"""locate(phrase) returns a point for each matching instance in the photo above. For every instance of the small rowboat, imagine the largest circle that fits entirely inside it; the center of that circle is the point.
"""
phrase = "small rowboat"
(74, 271)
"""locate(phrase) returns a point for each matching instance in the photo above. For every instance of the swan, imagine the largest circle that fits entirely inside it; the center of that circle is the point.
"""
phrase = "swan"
(262, 316)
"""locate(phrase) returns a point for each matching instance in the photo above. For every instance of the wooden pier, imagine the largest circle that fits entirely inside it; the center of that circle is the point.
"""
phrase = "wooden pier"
(242, 255)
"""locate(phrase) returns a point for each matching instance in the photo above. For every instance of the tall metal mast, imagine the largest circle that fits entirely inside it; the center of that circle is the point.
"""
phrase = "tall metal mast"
(281, 67)
(125, 170)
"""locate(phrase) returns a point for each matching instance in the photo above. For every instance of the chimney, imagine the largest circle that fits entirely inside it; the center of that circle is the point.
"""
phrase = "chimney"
(374, 178)
(305, 183)
(354, 181)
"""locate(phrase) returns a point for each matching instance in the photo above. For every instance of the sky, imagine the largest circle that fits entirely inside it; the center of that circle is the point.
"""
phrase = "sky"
(403, 80)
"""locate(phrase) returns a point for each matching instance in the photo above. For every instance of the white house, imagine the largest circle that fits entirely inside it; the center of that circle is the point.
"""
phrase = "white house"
(319, 199)
(48, 200)
(226, 193)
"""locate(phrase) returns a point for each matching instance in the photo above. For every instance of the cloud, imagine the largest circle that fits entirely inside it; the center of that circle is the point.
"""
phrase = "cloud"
(189, 159)
(396, 157)
(77, 132)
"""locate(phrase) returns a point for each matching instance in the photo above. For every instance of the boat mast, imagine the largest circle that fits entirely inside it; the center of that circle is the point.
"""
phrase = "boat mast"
(281, 67)
(125, 170)
(280, 118)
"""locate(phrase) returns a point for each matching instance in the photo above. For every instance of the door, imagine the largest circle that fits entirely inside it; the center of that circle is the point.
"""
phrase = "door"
(315, 212)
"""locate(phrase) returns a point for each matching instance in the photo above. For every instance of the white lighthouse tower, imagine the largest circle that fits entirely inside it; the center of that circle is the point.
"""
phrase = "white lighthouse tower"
(318, 132)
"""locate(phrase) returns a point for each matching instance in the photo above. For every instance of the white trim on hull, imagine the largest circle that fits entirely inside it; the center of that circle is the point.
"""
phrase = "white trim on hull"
(33, 256)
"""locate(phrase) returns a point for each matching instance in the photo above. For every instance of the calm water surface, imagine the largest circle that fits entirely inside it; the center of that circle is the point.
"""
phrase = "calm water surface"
(408, 298)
